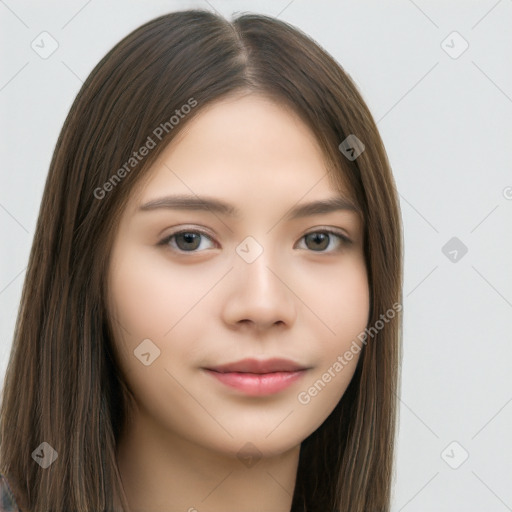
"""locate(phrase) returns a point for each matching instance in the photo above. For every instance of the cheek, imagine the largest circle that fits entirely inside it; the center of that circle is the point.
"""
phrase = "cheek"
(151, 295)
(344, 309)
(343, 302)
(150, 301)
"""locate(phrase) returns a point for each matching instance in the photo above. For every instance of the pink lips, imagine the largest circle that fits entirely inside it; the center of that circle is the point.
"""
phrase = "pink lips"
(258, 377)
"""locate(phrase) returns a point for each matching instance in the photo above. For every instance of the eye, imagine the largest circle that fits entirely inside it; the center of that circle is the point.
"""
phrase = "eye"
(189, 240)
(321, 240)
(186, 240)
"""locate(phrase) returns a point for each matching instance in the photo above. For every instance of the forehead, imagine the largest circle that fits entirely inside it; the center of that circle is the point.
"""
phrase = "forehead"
(254, 128)
(245, 146)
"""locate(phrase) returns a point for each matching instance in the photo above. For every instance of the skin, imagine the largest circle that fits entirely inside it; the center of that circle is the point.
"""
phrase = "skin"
(204, 305)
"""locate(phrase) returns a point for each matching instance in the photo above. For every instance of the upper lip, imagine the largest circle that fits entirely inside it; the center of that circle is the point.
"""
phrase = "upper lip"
(259, 366)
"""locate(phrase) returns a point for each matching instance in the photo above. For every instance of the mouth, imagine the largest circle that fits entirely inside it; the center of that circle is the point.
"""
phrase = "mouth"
(258, 377)
(259, 366)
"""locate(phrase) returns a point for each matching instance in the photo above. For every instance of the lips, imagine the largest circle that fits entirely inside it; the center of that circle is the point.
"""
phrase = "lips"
(256, 377)
(259, 366)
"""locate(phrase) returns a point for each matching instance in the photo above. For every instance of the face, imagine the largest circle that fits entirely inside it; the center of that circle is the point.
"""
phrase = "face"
(198, 288)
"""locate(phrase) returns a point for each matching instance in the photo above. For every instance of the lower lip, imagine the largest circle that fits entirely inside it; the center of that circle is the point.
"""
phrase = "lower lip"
(255, 384)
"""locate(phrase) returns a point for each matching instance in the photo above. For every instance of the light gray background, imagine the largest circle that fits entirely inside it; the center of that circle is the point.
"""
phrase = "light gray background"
(446, 126)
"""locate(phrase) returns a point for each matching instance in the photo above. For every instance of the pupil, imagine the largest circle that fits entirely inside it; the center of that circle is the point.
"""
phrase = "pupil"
(189, 238)
(319, 237)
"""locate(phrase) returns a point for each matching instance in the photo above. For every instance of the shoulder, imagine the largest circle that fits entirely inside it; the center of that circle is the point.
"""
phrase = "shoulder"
(7, 501)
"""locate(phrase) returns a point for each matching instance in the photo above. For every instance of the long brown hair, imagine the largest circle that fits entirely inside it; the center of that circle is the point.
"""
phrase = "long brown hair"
(62, 385)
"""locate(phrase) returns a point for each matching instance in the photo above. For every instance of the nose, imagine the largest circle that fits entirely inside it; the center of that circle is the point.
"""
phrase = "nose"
(259, 295)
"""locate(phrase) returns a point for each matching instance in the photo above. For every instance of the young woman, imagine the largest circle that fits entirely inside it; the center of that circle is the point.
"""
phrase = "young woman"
(211, 315)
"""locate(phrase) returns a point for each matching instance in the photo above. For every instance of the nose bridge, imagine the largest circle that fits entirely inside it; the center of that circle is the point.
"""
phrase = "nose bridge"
(254, 263)
(261, 294)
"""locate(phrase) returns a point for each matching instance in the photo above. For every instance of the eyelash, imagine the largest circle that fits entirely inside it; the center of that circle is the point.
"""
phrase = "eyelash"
(344, 240)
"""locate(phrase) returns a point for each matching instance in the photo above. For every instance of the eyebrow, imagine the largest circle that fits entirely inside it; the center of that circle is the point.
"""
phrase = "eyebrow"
(189, 202)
